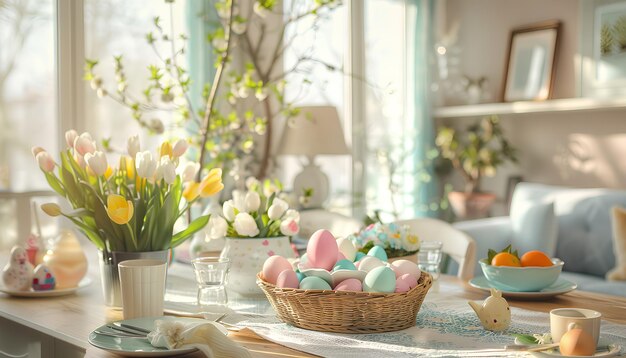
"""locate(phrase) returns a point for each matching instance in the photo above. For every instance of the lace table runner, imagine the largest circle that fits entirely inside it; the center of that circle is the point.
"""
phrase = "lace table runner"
(446, 327)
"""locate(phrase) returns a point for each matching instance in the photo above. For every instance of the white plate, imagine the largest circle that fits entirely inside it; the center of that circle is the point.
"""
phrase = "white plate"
(138, 347)
(560, 287)
(613, 350)
(50, 293)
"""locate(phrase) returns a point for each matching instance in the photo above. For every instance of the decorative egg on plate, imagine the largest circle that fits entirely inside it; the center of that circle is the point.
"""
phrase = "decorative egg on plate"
(322, 250)
(401, 267)
(314, 283)
(273, 266)
(351, 284)
(380, 279)
(346, 247)
(378, 252)
(287, 279)
(18, 273)
(43, 280)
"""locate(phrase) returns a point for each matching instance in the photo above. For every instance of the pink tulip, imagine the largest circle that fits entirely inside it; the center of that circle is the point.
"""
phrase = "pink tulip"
(180, 147)
(70, 137)
(289, 227)
(45, 161)
(84, 144)
(37, 150)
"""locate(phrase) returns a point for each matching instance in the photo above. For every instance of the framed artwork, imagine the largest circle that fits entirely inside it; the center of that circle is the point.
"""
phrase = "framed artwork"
(531, 61)
(603, 48)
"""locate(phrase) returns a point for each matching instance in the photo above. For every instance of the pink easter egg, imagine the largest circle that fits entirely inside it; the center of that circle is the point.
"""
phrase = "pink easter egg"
(273, 266)
(350, 284)
(287, 279)
(407, 279)
(401, 267)
(322, 250)
(401, 286)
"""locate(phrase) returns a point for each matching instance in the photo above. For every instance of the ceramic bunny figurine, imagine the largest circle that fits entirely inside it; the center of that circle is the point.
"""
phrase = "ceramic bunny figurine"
(18, 273)
(494, 314)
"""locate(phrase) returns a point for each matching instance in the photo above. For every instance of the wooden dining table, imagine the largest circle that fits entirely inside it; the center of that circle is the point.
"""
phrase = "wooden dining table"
(70, 319)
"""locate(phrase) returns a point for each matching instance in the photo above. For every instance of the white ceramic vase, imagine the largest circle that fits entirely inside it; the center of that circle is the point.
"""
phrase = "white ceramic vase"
(247, 256)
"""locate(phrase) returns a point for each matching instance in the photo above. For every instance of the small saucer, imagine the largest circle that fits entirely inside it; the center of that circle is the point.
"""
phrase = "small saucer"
(606, 349)
(560, 287)
(49, 293)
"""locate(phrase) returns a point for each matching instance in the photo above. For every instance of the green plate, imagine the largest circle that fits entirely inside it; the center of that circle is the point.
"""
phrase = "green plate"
(138, 347)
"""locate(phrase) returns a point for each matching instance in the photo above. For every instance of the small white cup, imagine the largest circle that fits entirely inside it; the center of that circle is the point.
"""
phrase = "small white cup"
(143, 287)
(564, 319)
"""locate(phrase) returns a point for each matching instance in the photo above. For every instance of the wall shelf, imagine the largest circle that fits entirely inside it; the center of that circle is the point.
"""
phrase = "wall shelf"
(554, 105)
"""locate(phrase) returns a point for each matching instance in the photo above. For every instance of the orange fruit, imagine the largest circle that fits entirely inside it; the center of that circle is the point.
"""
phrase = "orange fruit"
(536, 258)
(505, 259)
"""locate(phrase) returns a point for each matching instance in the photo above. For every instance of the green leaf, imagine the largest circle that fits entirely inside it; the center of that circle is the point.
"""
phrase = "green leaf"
(193, 227)
(525, 338)
(490, 255)
(55, 184)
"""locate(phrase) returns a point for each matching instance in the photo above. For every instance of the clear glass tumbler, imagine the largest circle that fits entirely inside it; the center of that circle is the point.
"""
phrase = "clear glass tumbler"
(429, 257)
(211, 276)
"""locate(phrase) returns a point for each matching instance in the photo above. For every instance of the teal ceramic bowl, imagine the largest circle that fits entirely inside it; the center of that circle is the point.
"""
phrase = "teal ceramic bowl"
(521, 279)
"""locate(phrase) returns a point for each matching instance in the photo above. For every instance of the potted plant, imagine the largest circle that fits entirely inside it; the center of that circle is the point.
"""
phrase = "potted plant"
(475, 153)
(255, 224)
(128, 211)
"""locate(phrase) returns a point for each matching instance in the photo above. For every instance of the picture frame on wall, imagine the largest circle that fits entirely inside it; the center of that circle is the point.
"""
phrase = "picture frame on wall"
(603, 48)
(530, 66)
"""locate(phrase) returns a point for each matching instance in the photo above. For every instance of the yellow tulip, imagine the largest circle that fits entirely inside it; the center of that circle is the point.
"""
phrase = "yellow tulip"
(119, 209)
(108, 172)
(212, 183)
(51, 209)
(191, 192)
(166, 149)
(127, 164)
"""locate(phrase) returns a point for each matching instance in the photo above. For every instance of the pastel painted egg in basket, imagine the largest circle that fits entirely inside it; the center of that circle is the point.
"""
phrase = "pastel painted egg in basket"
(322, 250)
(521, 279)
(273, 266)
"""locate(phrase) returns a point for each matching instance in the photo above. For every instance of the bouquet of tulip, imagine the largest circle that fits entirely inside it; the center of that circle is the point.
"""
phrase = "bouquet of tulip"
(395, 239)
(132, 207)
(261, 211)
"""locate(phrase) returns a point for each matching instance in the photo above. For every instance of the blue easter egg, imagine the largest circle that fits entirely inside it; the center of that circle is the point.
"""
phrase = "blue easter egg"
(344, 264)
(314, 283)
(359, 255)
(300, 276)
(380, 279)
(378, 252)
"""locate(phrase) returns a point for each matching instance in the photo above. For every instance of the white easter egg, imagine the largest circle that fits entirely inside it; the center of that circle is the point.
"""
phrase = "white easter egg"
(369, 263)
(346, 247)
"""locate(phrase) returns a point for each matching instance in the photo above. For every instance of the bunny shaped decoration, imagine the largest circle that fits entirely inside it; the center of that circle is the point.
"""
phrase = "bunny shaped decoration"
(18, 273)
(494, 314)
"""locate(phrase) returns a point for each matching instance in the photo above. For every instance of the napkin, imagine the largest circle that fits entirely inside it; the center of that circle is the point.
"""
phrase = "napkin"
(209, 337)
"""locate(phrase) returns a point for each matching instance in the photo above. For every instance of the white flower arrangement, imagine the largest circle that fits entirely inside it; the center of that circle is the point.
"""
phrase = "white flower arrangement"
(261, 211)
(395, 239)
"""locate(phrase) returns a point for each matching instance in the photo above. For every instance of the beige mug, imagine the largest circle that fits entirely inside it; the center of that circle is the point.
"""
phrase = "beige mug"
(564, 319)
(142, 284)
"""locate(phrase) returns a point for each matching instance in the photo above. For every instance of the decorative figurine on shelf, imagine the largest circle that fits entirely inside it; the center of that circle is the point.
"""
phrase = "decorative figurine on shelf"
(35, 249)
(18, 273)
(66, 260)
(43, 280)
(494, 314)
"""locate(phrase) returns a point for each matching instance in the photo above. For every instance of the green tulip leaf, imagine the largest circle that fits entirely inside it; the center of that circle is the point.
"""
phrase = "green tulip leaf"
(193, 227)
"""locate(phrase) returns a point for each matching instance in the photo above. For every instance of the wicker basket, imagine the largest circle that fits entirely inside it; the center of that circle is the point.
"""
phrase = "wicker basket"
(347, 312)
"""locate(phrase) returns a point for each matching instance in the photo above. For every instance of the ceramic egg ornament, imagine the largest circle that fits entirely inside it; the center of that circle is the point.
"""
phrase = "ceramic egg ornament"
(273, 266)
(346, 247)
(18, 273)
(322, 250)
(494, 314)
(43, 280)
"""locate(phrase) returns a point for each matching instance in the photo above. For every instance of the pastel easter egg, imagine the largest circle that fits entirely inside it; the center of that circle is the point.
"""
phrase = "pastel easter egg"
(287, 279)
(304, 260)
(407, 279)
(322, 250)
(273, 266)
(380, 279)
(43, 280)
(340, 256)
(369, 262)
(350, 284)
(346, 247)
(359, 256)
(344, 264)
(314, 283)
(401, 267)
(300, 276)
(379, 252)
(401, 286)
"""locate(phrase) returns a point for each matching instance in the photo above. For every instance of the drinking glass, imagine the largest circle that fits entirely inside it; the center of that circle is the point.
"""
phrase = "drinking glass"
(429, 257)
(211, 277)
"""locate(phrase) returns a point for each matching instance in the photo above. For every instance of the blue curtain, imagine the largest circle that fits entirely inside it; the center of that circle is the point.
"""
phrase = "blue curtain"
(420, 23)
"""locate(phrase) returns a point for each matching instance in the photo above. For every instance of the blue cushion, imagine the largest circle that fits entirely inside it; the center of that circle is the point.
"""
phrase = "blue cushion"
(534, 228)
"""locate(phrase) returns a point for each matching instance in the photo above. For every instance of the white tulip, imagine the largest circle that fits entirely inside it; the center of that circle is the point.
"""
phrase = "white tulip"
(145, 164)
(84, 144)
(166, 170)
(245, 225)
(45, 161)
(188, 171)
(70, 137)
(228, 209)
(97, 161)
(253, 201)
(252, 183)
(293, 215)
(217, 227)
(277, 209)
(179, 148)
(289, 227)
(133, 146)
(239, 200)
